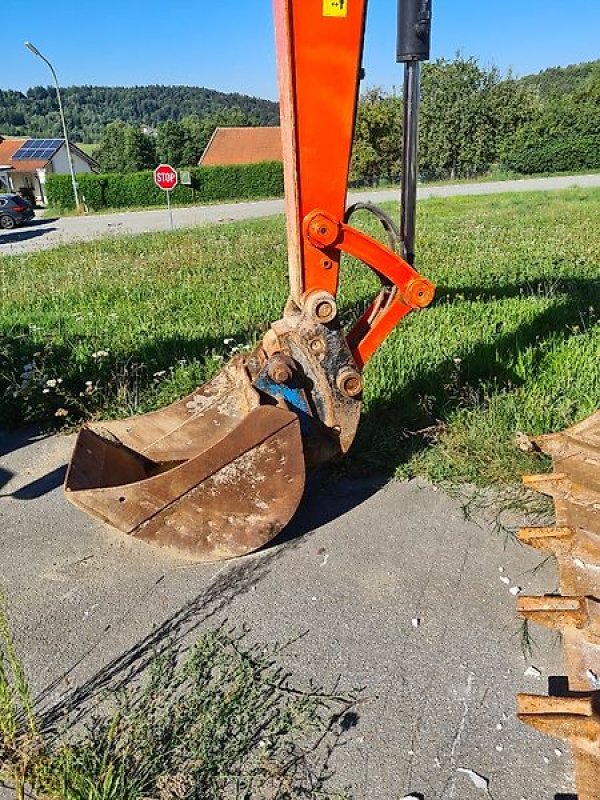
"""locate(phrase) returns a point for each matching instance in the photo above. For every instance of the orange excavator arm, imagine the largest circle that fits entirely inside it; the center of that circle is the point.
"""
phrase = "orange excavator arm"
(221, 472)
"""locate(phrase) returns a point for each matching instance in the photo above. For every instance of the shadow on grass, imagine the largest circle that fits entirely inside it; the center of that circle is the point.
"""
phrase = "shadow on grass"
(124, 379)
(390, 430)
(389, 433)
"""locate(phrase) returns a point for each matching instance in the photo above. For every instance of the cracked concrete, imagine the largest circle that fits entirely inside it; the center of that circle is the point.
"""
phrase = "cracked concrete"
(389, 589)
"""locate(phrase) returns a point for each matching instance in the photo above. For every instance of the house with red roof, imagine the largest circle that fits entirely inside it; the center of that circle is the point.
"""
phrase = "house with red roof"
(242, 146)
(25, 164)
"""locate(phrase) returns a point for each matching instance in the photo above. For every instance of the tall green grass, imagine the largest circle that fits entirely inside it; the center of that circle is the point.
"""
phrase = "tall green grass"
(21, 746)
(512, 344)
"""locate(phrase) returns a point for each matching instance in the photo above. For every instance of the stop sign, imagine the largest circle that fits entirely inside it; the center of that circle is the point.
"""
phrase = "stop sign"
(165, 177)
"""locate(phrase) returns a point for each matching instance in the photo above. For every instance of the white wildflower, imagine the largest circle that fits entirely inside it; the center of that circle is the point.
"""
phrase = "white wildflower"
(100, 354)
(52, 383)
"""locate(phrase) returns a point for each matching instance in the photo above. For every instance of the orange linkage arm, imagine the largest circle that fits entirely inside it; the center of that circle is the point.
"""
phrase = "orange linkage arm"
(412, 291)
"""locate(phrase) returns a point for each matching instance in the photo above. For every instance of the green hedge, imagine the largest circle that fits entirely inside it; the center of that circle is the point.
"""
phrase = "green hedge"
(209, 184)
(564, 136)
(555, 155)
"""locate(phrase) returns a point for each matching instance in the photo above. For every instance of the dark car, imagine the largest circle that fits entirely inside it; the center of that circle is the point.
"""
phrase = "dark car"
(14, 210)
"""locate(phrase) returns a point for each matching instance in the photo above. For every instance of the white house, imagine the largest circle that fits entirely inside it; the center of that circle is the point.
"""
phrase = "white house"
(25, 163)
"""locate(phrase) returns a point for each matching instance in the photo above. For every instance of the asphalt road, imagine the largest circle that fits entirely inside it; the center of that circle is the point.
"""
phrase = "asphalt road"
(45, 233)
(386, 588)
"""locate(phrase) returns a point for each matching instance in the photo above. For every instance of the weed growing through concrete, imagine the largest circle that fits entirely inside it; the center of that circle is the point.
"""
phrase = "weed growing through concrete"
(20, 742)
(221, 723)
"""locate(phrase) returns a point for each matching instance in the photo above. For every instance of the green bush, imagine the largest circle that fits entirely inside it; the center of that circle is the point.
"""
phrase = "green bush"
(564, 136)
(555, 154)
(209, 184)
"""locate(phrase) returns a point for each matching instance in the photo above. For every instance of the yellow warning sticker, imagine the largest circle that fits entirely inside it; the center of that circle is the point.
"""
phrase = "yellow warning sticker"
(335, 8)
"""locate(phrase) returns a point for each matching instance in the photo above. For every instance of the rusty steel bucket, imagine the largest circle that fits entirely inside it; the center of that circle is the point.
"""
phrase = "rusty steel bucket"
(214, 476)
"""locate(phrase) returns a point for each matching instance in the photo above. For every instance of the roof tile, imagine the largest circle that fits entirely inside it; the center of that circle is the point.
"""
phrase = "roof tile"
(8, 147)
(243, 146)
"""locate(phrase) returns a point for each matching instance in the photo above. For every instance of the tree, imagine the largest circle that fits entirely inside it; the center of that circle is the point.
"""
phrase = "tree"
(140, 151)
(170, 143)
(194, 134)
(125, 148)
(378, 136)
(457, 136)
(512, 104)
(112, 147)
(468, 112)
(564, 134)
(90, 108)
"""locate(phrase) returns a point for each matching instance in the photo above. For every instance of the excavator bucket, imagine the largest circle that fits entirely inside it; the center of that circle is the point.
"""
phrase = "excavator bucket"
(212, 477)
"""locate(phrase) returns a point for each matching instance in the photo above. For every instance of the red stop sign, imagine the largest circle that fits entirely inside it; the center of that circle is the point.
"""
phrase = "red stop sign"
(165, 177)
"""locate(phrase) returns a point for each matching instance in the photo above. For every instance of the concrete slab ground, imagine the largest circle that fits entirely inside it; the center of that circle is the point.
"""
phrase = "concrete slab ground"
(389, 588)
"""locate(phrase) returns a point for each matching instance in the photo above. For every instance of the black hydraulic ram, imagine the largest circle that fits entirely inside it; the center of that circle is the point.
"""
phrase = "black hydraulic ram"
(414, 46)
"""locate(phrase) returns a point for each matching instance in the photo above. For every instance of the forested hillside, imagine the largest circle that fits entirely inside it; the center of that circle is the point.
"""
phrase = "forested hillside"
(558, 81)
(474, 119)
(90, 108)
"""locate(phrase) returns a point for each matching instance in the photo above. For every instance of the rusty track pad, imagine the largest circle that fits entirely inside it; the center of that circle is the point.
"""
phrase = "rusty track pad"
(226, 501)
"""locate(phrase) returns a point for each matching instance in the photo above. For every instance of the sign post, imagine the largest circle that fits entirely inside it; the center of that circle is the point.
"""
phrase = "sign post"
(165, 177)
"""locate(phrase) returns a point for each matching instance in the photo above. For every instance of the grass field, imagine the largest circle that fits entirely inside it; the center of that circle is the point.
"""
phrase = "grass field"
(512, 344)
(90, 149)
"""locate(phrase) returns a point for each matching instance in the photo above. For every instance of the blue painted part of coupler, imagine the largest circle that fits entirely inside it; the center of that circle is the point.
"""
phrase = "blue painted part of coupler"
(294, 399)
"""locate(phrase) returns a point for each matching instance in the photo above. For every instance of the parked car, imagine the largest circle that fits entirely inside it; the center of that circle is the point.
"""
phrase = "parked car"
(14, 210)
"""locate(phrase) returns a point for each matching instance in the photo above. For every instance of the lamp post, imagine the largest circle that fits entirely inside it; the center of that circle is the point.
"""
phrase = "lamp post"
(37, 53)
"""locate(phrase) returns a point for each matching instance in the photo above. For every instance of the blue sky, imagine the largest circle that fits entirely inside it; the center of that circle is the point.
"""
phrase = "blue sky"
(228, 44)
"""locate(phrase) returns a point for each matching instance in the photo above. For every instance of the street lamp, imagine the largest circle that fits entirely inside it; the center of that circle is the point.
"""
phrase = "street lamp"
(37, 53)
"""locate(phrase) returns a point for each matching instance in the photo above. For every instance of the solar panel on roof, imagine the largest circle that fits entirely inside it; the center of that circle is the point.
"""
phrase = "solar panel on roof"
(38, 150)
